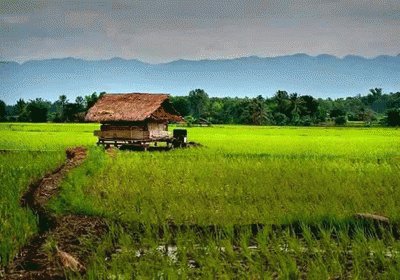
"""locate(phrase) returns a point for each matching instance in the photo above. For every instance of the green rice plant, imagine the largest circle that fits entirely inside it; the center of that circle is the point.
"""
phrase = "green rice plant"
(17, 171)
(302, 184)
(45, 137)
(157, 187)
(28, 152)
(278, 253)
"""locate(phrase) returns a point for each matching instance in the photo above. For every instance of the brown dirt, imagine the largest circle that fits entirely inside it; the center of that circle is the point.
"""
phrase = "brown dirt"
(74, 235)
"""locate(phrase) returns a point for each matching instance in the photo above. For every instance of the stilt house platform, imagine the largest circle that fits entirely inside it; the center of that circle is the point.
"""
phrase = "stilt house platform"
(133, 118)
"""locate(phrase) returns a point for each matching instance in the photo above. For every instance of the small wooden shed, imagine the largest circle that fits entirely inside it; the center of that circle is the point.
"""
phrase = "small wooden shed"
(133, 118)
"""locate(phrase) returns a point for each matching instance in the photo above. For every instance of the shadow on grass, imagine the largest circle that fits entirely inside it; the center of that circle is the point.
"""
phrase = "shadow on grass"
(351, 226)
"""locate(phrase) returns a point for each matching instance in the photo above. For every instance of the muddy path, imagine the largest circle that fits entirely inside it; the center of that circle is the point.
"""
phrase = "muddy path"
(61, 245)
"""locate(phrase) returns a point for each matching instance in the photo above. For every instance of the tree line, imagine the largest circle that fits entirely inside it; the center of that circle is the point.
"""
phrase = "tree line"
(39, 110)
(281, 109)
(291, 109)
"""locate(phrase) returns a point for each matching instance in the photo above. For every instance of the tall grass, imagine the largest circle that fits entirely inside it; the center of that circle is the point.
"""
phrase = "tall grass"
(322, 254)
(245, 175)
(45, 137)
(17, 171)
(28, 152)
(311, 177)
(271, 176)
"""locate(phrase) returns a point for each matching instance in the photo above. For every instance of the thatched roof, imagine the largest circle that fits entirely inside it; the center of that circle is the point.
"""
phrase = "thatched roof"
(132, 107)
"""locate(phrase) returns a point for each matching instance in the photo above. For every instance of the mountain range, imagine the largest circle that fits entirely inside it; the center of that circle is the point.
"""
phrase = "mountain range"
(320, 76)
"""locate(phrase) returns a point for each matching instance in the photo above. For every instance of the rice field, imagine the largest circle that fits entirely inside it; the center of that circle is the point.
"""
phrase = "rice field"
(300, 188)
(17, 171)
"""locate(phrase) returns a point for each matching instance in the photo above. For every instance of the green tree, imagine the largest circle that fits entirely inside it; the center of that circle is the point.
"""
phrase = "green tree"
(216, 110)
(61, 103)
(71, 111)
(340, 120)
(394, 100)
(80, 101)
(37, 110)
(296, 107)
(336, 112)
(91, 99)
(393, 117)
(2, 110)
(258, 110)
(63, 100)
(280, 119)
(374, 94)
(181, 104)
(20, 107)
(310, 105)
(365, 115)
(282, 102)
(198, 100)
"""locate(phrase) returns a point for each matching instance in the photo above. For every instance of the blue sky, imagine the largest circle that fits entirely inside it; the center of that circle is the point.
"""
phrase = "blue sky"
(160, 31)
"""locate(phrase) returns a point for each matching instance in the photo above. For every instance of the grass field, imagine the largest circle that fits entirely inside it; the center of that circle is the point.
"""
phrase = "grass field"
(17, 171)
(315, 178)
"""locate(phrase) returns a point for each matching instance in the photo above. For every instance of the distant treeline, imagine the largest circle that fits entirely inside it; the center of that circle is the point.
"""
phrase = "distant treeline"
(282, 109)
(39, 110)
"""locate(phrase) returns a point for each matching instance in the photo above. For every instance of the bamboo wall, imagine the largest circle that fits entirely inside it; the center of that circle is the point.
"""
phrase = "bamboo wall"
(150, 131)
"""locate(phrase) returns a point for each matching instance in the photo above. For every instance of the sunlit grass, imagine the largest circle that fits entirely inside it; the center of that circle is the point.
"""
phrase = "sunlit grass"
(17, 171)
(245, 175)
(45, 137)
(242, 175)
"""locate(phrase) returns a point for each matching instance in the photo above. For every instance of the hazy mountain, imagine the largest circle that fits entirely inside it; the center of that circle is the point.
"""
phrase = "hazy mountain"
(320, 76)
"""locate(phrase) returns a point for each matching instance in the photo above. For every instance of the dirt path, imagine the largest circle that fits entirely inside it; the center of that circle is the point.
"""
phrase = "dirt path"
(62, 242)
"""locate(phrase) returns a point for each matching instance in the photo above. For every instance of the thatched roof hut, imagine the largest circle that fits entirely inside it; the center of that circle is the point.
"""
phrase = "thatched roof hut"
(133, 107)
(133, 117)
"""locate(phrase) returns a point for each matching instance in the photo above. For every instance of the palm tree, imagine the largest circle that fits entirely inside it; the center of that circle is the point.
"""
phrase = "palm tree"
(283, 102)
(20, 106)
(297, 105)
(61, 103)
(259, 113)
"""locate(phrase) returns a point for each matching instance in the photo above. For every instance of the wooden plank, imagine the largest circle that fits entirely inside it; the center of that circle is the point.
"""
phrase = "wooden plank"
(123, 134)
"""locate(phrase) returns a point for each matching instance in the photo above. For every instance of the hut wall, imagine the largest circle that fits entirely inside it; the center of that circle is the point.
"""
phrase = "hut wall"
(128, 132)
(123, 134)
(151, 130)
(157, 130)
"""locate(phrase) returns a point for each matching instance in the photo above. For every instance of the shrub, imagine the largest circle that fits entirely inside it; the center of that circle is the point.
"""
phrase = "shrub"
(340, 120)
(280, 119)
(393, 117)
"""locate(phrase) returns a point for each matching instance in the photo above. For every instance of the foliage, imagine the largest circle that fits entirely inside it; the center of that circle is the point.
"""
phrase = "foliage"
(62, 110)
(287, 108)
(393, 117)
(90, 100)
(341, 120)
(258, 111)
(36, 110)
(19, 107)
(281, 109)
(2, 110)
(17, 170)
(181, 104)
(199, 101)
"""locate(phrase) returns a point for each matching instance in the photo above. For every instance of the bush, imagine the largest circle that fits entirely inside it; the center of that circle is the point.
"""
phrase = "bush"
(340, 120)
(305, 121)
(280, 119)
(189, 120)
(393, 117)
